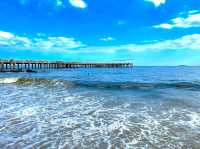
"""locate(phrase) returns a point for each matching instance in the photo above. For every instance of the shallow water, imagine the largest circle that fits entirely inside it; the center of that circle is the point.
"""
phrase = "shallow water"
(143, 107)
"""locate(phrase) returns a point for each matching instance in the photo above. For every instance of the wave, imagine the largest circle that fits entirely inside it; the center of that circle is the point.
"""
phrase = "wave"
(106, 85)
(8, 80)
(142, 86)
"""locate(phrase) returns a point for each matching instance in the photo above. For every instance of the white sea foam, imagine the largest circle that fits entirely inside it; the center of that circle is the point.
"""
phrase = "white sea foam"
(195, 119)
(8, 80)
(90, 119)
(29, 111)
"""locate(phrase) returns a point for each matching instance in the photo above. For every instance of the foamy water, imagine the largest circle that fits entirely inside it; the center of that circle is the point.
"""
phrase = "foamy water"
(8, 80)
(51, 112)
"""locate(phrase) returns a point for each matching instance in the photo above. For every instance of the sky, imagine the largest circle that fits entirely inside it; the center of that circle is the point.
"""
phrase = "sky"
(145, 32)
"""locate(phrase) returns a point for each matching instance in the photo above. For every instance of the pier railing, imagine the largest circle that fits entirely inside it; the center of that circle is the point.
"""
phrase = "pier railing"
(31, 65)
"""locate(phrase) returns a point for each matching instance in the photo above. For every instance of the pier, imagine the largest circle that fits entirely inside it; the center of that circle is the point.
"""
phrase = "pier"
(6, 65)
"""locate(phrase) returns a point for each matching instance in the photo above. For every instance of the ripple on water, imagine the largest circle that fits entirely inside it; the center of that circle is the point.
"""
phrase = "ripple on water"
(60, 118)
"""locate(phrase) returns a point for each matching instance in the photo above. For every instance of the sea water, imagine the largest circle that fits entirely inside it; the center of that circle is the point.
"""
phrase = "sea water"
(99, 108)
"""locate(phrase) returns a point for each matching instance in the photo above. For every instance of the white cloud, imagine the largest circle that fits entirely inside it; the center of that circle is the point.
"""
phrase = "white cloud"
(57, 43)
(164, 25)
(107, 39)
(157, 2)
(56, 3)
(188, 42)
(6, 35)
(9, 39)
(193, 11)
(54, 44)
(70, 45)
(78, 3)
(192, 20)
(59, 3)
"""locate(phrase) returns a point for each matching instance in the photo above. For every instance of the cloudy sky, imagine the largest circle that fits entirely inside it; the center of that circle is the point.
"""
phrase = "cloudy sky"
(152, 32)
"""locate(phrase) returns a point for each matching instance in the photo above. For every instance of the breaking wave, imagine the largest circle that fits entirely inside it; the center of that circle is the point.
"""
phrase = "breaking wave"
(103, 85)
(8, 80)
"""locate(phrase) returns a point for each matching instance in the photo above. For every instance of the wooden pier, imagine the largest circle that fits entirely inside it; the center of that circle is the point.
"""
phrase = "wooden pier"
(34, 65)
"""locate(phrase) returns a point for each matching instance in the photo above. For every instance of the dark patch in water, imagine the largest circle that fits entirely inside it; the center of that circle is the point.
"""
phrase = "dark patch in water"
(112, 85)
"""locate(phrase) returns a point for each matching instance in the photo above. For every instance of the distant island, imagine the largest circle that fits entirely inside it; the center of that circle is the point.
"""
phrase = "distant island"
(183, 66)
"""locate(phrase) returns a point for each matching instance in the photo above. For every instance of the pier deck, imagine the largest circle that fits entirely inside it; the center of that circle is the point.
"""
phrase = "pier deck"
(33, 65)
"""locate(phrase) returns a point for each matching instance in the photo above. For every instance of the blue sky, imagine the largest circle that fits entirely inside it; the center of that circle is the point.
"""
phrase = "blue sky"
(152, 32)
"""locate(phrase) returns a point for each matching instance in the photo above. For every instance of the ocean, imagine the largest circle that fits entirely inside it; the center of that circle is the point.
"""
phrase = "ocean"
(99, 108)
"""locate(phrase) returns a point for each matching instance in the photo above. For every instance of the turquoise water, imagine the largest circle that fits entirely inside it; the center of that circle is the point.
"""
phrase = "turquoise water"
(143, 107)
